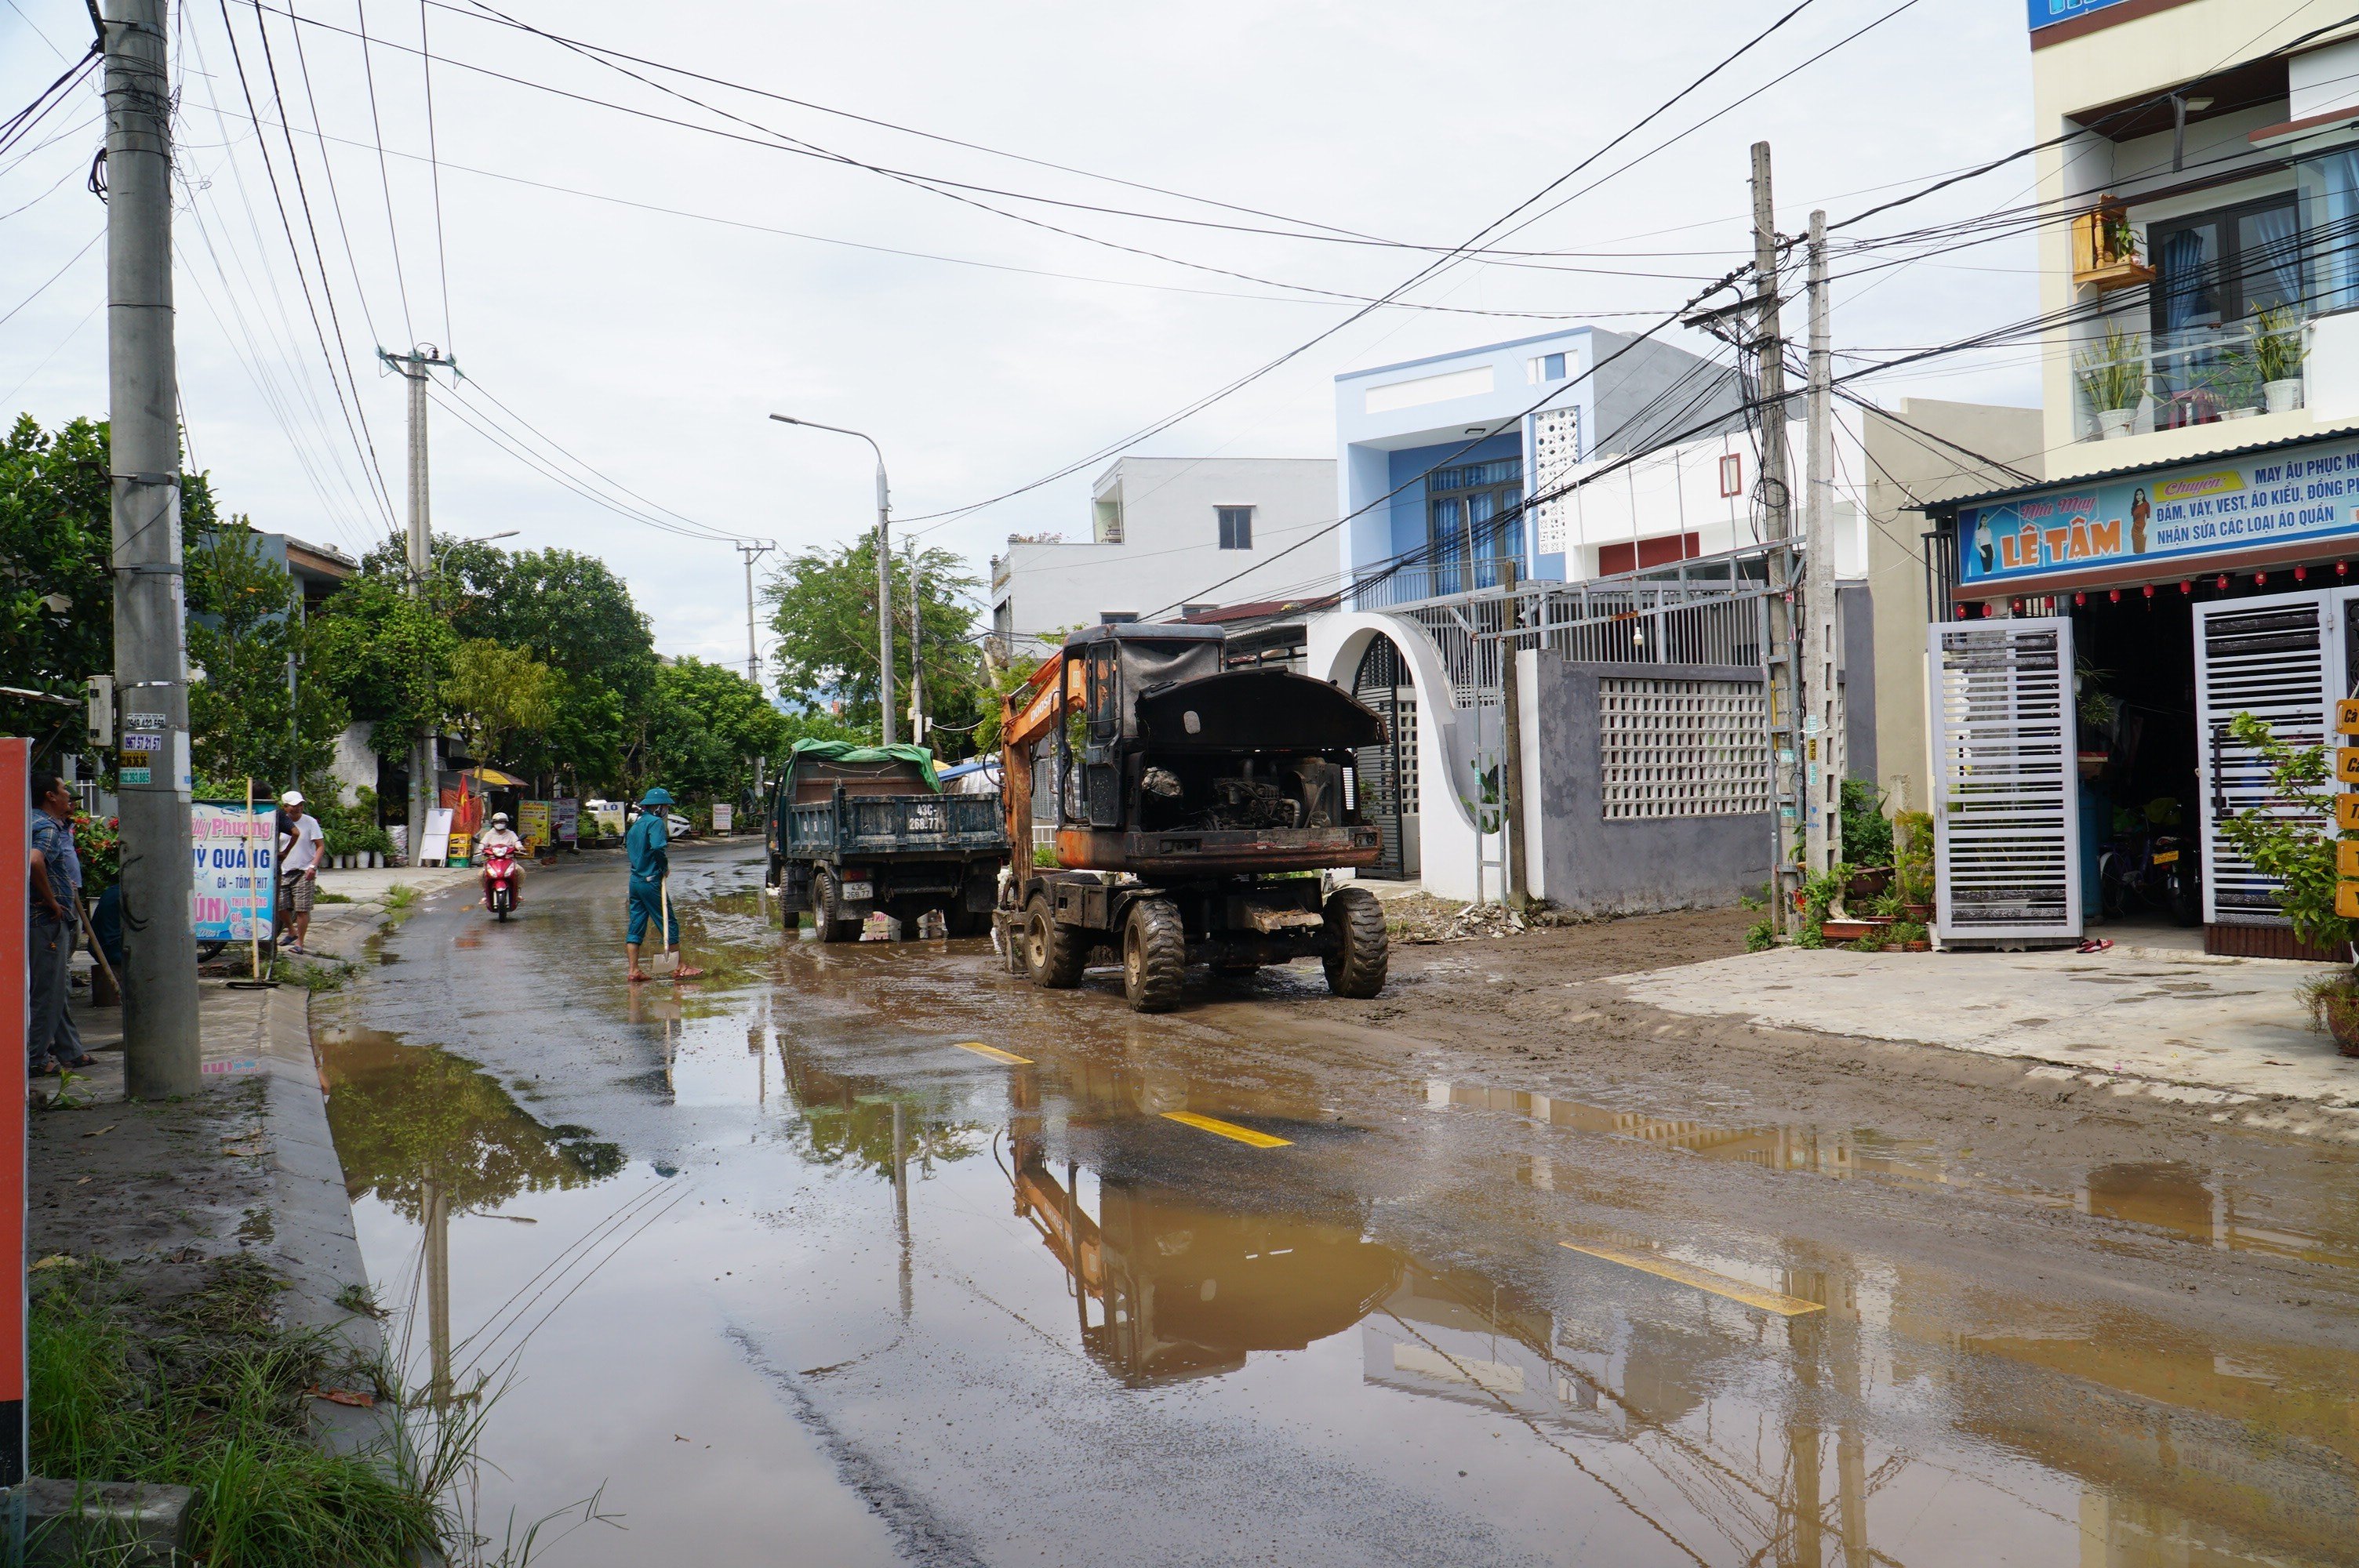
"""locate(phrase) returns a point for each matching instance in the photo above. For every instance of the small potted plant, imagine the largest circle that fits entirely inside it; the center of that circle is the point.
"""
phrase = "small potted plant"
(2277, 354)
(2298, 852)
(2236, 382)
(2113, 378)
(1913, 862)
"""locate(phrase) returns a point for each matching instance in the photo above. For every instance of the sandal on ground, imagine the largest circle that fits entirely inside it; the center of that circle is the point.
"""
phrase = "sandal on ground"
(2096, 944)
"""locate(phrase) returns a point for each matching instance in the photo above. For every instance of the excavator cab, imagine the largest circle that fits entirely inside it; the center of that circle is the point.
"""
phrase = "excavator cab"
(1190, 799)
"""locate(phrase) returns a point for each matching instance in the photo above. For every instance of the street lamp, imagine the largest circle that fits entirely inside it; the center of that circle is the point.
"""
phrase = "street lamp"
(884, 573)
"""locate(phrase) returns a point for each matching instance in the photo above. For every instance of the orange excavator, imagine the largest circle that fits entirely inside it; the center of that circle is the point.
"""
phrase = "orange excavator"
(1191, 802)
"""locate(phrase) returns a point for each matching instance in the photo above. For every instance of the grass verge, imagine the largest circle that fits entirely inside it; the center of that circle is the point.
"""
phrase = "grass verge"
(208, 1391)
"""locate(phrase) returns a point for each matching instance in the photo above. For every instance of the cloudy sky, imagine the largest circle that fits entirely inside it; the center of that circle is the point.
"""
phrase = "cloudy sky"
(633, 265)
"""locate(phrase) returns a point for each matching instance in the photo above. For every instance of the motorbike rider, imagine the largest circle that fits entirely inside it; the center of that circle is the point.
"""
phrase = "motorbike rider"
(500, 836)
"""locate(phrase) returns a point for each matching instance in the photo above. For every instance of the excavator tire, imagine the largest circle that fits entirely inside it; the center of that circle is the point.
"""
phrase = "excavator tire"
(1053, 954)
(1357, 954)
(1154, 956)
(827, 906)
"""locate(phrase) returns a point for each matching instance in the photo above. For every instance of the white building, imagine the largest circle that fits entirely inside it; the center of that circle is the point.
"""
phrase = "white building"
(1170, 535)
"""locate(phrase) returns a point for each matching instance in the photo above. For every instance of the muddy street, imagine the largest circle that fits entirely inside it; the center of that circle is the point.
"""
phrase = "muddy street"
(872, 1254)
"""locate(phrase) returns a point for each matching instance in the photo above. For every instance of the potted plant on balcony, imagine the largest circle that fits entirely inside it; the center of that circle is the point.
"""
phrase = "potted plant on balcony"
(2277, 352)
(2236, 382)
(2113, 377)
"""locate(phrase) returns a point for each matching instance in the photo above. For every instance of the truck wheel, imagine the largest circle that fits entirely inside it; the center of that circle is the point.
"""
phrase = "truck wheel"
(827, 909)
(1356, 952)
(1154, 956)
(1053, 955)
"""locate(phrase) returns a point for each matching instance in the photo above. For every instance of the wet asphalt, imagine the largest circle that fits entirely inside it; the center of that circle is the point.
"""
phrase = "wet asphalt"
(872, 1254)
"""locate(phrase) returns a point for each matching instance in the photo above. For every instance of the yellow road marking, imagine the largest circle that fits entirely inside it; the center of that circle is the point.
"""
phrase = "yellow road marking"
(993, 1051)
(1226, 1128)
(1705, 1280)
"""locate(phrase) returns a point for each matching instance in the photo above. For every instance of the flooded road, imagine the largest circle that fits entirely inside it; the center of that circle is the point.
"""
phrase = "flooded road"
(872, 1254)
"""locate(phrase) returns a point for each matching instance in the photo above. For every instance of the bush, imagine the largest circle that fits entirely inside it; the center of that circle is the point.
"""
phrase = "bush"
(1866, 835)
(1913, 858)
(2295, 851)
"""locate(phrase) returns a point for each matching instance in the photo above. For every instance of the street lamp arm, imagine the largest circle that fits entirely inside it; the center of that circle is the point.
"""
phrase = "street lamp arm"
(838, 429)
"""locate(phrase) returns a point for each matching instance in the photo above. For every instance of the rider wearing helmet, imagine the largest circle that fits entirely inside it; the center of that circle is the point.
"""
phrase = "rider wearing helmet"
(500, 836)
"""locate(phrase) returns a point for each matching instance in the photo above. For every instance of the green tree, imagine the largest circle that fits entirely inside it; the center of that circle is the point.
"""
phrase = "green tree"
(57, 586)
(243, 633)
(823, 608)
(706, 730)
(568, 611)
(495, 694)
(388, 657)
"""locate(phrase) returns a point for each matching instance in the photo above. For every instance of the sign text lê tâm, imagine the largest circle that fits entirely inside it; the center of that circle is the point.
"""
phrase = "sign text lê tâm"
(2173, 517)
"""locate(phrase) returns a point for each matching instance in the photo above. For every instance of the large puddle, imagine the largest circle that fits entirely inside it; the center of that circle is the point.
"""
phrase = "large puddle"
(795, 1283)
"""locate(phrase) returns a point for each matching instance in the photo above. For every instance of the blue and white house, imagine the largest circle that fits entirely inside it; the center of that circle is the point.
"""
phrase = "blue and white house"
(1434, 456)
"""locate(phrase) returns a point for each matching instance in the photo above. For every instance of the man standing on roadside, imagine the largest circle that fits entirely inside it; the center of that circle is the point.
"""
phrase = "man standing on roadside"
(52, 915)
(648, 845)
(299, 836)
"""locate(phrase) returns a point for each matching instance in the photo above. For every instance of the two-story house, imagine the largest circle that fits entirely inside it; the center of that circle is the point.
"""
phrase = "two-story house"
(2193, 542)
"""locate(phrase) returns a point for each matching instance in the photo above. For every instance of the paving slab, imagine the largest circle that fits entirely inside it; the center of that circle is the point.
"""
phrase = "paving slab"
(2226, 1030)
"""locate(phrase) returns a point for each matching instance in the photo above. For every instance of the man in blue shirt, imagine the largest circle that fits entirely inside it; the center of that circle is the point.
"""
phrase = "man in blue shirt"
(52, 915)
(649, 845)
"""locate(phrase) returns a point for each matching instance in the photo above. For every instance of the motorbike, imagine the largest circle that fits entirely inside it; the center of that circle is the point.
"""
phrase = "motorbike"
(500, 878)
(2155, 868)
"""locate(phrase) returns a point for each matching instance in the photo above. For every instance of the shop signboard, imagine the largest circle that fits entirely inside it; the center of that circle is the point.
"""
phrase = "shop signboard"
(2174, 518)
(235, 853)
(565, 819)
(2346, 810)
(2048, 13)
(532, 823)
(724, 816)
(434, 843)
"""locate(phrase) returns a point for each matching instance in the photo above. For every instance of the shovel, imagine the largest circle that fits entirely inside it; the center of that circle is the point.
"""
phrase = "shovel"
(667, 961)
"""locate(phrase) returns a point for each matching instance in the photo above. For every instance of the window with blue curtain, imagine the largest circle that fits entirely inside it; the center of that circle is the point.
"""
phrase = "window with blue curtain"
(2214, 272)
(1476, 503)
(2329, 215)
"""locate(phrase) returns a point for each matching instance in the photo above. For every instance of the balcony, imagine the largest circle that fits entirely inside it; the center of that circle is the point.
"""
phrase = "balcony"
(2128, 385)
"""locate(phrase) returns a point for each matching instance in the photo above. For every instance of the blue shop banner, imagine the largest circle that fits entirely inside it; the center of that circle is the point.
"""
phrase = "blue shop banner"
(2168, 516)
(2047, 13)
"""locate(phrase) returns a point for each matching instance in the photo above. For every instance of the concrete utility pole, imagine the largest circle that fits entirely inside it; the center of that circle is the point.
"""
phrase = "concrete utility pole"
(1823, 721)
(160, 1052)
(752, 649)
(417, 368)
(1776, 501)
(884, 575)
(916, 650)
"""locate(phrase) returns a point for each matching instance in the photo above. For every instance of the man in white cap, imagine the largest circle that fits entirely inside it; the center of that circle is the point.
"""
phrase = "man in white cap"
(299, 867)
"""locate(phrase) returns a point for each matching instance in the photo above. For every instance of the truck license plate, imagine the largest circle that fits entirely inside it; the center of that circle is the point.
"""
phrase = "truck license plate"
(854, 891)
(925, 819)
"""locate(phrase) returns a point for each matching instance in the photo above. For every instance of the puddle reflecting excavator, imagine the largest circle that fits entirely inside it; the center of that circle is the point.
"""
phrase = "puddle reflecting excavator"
(1195, 806)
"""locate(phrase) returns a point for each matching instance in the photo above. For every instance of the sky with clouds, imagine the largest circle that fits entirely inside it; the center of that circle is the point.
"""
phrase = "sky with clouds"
(996, 238)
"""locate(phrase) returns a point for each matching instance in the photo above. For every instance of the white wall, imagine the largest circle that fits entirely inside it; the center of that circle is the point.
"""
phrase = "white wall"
(1170, 552)
(1446, 827)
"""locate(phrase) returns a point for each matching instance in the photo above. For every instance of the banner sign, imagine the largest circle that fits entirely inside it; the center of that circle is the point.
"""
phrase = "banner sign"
(532, 823)
(2169, 516)
(724, 817)
(566, 815)
(2048, 13)
(434, 843)
(236, 855)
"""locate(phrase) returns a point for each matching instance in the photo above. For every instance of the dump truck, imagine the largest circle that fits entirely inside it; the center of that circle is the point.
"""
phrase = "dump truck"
(858, 829)
(1197, 809)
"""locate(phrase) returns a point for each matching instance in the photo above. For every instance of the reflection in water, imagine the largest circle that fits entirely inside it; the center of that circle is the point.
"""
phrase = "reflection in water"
(2166, 1195)
(428, 1134)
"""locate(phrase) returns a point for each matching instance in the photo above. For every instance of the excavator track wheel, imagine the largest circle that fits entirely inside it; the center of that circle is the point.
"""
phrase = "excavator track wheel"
(1357, 953)
(1154, 956)
(1053, 954)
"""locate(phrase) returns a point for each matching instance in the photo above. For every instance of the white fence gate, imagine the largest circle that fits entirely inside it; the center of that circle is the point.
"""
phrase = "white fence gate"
(2281, 660)
(2006, 830)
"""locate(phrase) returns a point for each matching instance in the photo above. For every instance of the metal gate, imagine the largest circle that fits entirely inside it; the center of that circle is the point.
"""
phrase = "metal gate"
(2006, 831)
(1386, 772)
(2280, 659)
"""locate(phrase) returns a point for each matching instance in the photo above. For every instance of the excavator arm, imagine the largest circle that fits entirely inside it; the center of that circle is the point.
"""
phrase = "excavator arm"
(1028, 714)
